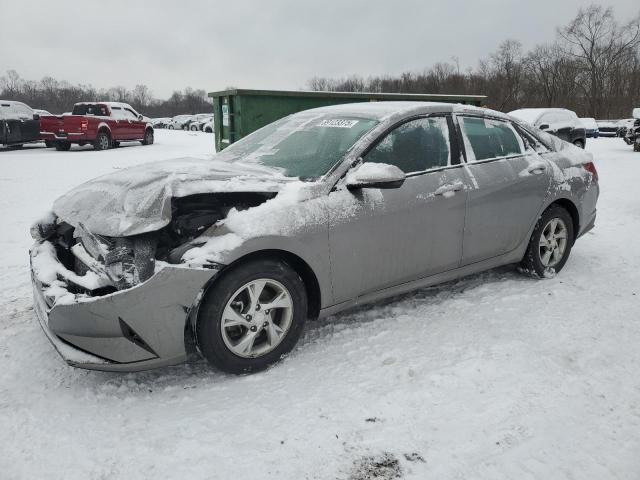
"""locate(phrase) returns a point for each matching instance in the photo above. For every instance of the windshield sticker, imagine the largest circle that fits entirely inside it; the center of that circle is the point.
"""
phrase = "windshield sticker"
(338, 123)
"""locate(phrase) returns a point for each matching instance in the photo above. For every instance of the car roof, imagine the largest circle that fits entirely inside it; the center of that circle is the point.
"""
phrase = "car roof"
(110, 104)
(13, 102)
(386, 109)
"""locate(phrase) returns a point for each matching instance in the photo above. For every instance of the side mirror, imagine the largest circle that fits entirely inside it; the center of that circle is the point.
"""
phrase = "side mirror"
(36, 116)
(375, 175)
(140, 118)
(544, 126)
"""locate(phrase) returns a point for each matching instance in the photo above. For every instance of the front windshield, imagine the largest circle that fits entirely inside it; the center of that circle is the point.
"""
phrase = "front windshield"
(304, 145)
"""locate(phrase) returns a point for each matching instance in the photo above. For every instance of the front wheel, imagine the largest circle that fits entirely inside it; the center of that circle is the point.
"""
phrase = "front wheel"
(550, 243)
(148, 138)
(194, 128)
(252, 316)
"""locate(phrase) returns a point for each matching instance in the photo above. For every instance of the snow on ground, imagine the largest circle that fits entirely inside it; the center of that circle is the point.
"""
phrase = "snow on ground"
(496, 376)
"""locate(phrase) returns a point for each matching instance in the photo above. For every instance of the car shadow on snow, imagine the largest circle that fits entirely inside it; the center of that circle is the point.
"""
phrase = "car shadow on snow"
(197, 372)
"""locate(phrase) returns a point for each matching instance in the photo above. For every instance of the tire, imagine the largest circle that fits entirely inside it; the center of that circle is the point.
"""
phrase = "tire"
(148, 137)
(579, 143)
(231, 293)
(63, 146)
(636, 147)
(193, 128)
(49, 143)
(537, 261)
(170, 127)
(102, 141)
(208, 130)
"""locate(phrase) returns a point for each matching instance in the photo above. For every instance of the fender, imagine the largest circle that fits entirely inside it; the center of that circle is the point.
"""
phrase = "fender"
(105, 125)
(316, 256)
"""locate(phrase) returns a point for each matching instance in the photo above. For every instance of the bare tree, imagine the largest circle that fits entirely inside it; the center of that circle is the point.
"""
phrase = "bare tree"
(599, 45)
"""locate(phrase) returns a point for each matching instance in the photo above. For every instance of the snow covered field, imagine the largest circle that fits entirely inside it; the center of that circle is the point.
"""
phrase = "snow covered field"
(496, 376)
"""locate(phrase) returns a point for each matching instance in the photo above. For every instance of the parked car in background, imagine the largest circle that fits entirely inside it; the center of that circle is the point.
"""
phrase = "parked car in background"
(198, 121)
(160, 122)
(624, 126)
(229, 256)
(560, 122)
(590, 127)
(608, 128)
(19, 124)
(41, 112)
(101, 124)
(179, 122)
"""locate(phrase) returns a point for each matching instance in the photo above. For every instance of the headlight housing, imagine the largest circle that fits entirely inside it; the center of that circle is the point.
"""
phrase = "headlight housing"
(44, 228)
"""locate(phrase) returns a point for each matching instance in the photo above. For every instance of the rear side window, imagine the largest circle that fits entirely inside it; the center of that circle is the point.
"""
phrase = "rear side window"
(486, 138)
(90, 109)
(117, 112)
(415, 146)
(22, 111)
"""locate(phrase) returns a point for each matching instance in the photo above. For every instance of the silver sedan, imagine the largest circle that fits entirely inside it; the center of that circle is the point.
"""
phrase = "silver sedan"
(318, 212)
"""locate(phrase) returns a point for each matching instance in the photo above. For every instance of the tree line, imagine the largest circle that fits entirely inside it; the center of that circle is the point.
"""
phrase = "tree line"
(592, 67)
(58, 96)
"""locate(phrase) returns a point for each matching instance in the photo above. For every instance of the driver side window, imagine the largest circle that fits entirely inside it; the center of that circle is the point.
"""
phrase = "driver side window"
(415, 146)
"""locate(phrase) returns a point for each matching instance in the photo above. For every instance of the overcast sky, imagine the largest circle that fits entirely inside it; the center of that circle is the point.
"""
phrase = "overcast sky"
(278, 44)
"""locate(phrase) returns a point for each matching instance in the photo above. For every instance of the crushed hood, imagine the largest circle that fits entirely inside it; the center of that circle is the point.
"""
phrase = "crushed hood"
(137, 200)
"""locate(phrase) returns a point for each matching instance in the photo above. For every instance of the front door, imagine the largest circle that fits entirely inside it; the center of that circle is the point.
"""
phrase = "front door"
(386, 237)
(136, 127)
(509, 179)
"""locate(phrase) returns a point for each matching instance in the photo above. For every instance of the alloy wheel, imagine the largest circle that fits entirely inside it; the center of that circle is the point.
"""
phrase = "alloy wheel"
(257, 318)
(553, 242)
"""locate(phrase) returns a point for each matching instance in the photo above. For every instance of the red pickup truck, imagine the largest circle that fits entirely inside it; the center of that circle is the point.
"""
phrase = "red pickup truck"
(102, 124)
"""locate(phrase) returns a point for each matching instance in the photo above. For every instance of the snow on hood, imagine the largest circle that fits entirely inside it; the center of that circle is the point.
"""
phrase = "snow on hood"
(138, 199)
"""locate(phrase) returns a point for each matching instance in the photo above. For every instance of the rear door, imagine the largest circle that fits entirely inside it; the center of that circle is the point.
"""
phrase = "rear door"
(385, 237)
(120, 129)
(29, 127)
(510, 181)
(13, 125)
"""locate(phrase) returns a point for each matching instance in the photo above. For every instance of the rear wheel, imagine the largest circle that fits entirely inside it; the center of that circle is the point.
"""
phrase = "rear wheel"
(194, 128)
(252, 317)
(63, 146)
(102, 141)
(579, 143)
(550, 243)
(148, 138)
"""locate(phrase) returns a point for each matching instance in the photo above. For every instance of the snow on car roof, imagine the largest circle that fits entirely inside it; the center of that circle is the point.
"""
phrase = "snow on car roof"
(530, 115)
(382, 110)
(111, 104)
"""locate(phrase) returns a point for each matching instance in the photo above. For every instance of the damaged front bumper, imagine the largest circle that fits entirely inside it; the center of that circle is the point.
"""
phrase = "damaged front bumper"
(139, 328)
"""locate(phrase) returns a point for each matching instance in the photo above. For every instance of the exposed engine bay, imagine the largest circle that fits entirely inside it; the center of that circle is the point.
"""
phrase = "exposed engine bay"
(128, 261)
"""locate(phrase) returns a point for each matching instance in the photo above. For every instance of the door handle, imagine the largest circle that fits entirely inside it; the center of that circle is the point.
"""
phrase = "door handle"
(537, 168)
(449, 188)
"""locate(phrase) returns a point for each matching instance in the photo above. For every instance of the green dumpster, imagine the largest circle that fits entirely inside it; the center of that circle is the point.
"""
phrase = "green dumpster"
(238, 113)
